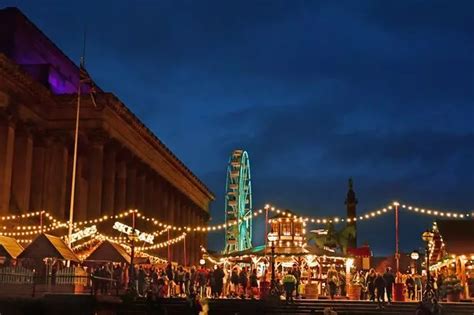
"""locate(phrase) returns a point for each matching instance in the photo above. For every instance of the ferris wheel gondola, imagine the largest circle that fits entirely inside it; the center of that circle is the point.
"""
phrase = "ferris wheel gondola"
(238, 203)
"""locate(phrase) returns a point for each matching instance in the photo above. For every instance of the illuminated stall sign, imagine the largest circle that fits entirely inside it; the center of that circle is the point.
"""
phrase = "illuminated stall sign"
(144, 237)
(88, 231)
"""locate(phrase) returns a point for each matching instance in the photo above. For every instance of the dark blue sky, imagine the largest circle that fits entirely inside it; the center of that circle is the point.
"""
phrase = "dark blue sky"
(316, 91)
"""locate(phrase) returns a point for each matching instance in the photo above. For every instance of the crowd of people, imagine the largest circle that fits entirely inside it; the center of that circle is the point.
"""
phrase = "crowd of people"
(172, 281)
(244, 282)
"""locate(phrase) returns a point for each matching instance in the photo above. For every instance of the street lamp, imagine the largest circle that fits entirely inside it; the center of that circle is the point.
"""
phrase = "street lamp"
(272, 237)
(429, 293)
(414, 258)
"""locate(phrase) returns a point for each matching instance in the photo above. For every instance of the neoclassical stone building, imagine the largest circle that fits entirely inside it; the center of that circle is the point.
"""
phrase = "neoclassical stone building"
(121, 163)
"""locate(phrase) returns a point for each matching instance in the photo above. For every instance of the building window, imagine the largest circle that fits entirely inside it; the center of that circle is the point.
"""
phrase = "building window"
(286, 228)
(276, 228)
(298, 229)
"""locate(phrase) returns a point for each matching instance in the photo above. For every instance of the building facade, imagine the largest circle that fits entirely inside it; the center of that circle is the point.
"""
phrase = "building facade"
(121, 164)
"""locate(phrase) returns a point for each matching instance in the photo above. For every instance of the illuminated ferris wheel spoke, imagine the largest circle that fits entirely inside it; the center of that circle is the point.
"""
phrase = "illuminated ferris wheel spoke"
(238, 203)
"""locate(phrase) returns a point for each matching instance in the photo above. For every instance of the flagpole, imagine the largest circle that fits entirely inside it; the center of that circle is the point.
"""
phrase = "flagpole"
(74, 163)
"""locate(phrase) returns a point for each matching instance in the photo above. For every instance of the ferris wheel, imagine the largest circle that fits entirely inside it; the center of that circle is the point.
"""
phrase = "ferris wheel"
(238, 203)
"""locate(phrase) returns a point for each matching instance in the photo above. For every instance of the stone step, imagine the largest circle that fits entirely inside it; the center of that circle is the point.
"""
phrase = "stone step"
(248, 307)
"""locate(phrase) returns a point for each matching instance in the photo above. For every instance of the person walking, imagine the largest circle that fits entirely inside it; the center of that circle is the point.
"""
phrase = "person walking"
(289, 283)
(389, 281)
(370, 282)
(380, 285)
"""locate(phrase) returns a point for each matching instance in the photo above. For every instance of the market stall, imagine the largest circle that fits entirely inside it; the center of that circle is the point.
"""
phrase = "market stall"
(452, 257)
(109, 252)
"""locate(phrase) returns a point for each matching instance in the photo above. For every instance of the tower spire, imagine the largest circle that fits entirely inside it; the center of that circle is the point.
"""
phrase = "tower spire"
(351, 205)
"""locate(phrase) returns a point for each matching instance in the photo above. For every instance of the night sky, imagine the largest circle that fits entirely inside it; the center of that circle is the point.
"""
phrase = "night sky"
(315, 91)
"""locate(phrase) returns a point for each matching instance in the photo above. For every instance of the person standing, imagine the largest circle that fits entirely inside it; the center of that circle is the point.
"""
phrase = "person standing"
(289, 283)
(211, 280)
(370, 282)
(187, 281)
(243, 281)
(170, 275)
(380, 285)
(180, 280)
(389, 281)
(219, 281)
(297, 273)
(332, 281)
(410, 283)
(253, 284)
(202, 281)
(141, 280)
(234, 280)
(192, 279)
(342, 283)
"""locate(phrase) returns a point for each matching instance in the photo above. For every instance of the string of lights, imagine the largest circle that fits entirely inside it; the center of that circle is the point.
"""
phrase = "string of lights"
(163, 244)
(22, 230)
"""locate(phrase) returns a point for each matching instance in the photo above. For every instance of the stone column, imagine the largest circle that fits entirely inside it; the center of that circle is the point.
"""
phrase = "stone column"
(95, 162)
(170, 211)
(22, 165)
(55, 177)
(189, 236)
(149, 194)
(38, 172)
(177, 221)
(108, 185)
(165, 210)
(131, 185)
(156, 212)
(140, 191)
(120, 186)
(81, 199)
(96, 165)
(196, 238)
(7, 144)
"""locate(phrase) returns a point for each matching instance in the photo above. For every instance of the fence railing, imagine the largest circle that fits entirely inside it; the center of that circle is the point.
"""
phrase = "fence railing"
(29, 281)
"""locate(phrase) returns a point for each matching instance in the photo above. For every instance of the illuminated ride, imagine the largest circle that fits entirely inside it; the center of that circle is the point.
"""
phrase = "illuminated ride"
(238, 203)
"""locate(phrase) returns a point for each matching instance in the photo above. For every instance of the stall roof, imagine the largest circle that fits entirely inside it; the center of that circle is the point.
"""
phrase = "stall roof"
(45, 245)
(262, 250)
(363, 251)
(9, 247)
(458, 236)
(109, 251)
(281, 215)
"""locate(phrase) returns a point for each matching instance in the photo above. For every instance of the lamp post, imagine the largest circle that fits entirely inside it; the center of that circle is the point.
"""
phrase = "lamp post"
(272, 237)
(429, 293)
(133, 238)
(397, 253)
